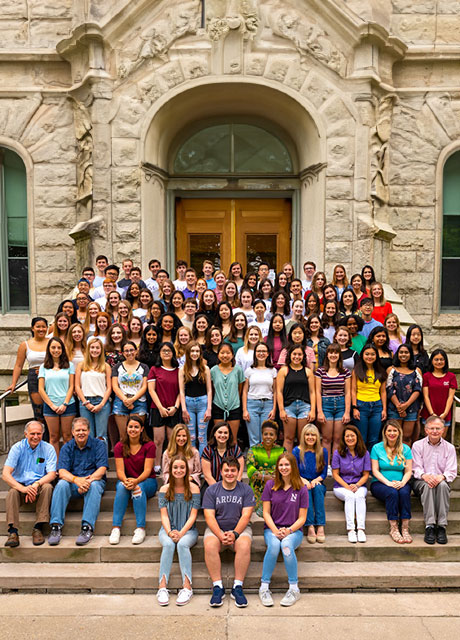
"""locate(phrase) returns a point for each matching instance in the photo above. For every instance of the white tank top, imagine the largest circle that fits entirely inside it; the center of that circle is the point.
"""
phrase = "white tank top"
(34, 358)
(93, 383)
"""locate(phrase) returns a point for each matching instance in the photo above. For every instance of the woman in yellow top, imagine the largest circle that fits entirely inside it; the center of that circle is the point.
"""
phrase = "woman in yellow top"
(368, 395)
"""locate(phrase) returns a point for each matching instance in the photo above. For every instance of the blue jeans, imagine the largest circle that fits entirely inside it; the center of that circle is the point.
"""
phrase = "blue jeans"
(316, 515)
(197, 426)
(122, 496)
(62, 493)
(370, 421)
(140, 408)
(258, 412)
(287, 546)
(333, 407)
(183, 552)
(397, 501)
(97, 421)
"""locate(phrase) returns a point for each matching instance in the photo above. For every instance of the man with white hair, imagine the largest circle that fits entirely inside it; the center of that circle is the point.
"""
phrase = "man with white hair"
(434, 467)
(29, 470)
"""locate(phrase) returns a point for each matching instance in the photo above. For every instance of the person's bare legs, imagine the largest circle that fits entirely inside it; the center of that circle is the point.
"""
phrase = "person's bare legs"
(327, 429)
(408, 431)
(300, 425)
(337, 431)
(242, 557)
(66, 427)
(234, 427)
(289, 426)
(121, 421)
(158, 439)
(53, 423)
(212, 547)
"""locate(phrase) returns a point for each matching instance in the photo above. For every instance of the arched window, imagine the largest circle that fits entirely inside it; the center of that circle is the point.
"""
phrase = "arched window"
(14, 261)
(235, 149)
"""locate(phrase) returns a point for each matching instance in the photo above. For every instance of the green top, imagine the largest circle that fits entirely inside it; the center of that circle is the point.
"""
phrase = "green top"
(390, 470)
(358, 342)
(235, 345)
(259, 461)
(226, 388)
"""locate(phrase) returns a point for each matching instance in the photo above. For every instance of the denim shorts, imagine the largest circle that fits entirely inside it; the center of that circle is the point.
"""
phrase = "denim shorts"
(71, 410)
(298, 409)
(411, 416)
(333, 407)
(139, 408)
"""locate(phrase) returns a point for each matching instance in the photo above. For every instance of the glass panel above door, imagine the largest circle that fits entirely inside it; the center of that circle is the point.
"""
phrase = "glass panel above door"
(204, 246)
(261, 248)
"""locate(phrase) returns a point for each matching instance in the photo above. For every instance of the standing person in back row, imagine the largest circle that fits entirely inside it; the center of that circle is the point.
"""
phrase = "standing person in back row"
(228, 507)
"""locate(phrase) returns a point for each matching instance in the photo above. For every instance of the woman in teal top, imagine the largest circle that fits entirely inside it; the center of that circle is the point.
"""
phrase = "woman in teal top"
(227, 380)
(261, 461)
(392, 469)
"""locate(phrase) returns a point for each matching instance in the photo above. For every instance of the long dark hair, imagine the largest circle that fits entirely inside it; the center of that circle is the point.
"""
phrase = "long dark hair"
(174, 363)
(287, 302)
(63, 358)
(109, 346)
(218, 319)
(386, 345)
(325, 320)
(360, 448)
(125, 437)
(436, 352)
(212, 436)
(308, 323)
(411, 363)
(354, 306)
(421, 348)
(171, 490)
(334, 348)
(360, 368)
(315, 297)
(34, 322)
(144, 348)
(73, 318)
(373, 278)
(271, 334)
(298, 325)
(233, 335)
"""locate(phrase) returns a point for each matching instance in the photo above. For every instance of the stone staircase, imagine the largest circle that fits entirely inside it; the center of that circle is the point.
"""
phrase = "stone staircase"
(337, 565)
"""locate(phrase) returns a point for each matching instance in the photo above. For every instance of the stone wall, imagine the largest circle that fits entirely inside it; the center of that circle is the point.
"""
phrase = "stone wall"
(36, 24)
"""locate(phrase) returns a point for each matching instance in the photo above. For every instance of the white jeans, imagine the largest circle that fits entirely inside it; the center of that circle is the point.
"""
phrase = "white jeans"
(355, 503)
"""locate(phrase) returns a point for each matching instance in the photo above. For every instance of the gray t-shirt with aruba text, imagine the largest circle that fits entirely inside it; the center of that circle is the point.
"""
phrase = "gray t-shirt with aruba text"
(228, 505)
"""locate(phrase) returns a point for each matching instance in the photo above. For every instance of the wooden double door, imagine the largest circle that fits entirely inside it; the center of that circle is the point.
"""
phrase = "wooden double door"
(227, 230)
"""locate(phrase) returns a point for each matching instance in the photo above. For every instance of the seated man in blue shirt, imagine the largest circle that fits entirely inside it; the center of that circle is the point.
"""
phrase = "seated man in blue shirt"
(83, 463)
(29, 470)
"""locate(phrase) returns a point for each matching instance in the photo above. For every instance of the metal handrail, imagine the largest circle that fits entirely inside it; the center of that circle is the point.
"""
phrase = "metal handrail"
(454, 406)
(3, 411)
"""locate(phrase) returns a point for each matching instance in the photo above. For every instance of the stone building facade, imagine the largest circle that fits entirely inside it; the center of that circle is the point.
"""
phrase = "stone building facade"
(98, 95)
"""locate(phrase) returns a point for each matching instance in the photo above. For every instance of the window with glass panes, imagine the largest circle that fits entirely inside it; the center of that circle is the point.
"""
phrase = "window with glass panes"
(14, 259)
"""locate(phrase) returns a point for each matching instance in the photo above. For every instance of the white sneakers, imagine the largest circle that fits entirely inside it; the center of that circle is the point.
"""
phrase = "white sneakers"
(184, 596)
(361, 535)
(266, 597)
(138, 536)
(115, 536)
(352, 537)
(163, 597)
(290, 598)
(356, 537)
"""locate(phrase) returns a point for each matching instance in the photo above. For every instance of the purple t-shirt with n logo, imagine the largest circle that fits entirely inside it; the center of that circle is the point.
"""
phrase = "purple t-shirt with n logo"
(285, 504)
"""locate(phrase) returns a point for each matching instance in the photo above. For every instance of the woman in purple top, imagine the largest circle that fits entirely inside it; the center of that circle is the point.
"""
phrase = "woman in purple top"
(351, 465)
(285, 503)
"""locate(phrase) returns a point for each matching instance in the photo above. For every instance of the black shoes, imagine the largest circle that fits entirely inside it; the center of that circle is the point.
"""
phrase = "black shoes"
(441, 535)
(435, 534)
(430, 534)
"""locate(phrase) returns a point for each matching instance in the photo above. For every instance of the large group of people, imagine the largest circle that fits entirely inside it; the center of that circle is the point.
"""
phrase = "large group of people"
(193, 380)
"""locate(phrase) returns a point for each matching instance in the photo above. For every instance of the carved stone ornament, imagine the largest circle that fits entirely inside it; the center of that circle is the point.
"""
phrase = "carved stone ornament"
(223, 16)
(307, 36)
(380, 150)
(84, 135)
(310, 173)
(180, 18)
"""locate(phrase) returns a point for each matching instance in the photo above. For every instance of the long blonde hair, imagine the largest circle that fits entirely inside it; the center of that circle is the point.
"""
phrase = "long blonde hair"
(246, 336)
(179, 347)
(398, 449)
(319, 455)
(70, 342)
(173, 450)
(87, 364)
(171, 490)
(87, 318)
(189, 364)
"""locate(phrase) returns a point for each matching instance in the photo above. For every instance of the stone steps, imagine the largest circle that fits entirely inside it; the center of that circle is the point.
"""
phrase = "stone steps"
(331, 503)
(376, 523)
(378, 548)
(129, 577)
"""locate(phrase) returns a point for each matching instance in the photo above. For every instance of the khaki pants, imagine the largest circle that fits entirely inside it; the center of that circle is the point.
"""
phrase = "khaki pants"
(15, 498)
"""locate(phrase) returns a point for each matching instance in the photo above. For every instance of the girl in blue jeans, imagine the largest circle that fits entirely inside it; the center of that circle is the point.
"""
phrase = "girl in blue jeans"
(93, 386)
(312, 462)
(285, 503)
(195, 390)
(368, 395)
(134, 458)
(179, 501)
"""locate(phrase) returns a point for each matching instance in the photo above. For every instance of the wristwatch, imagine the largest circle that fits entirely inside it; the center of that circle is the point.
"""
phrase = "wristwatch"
(236, 534)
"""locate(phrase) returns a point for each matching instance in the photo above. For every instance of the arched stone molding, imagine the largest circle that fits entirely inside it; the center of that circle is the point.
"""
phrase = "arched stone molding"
(445, 154)
(25, 156)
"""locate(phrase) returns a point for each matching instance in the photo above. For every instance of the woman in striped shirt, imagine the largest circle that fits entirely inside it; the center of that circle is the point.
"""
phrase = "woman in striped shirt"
(333, 392)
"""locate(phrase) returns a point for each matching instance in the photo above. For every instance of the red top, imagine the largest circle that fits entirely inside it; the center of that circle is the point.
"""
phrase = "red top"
(380, 313)
(438, 389)
(134, 464)
(166, 385)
